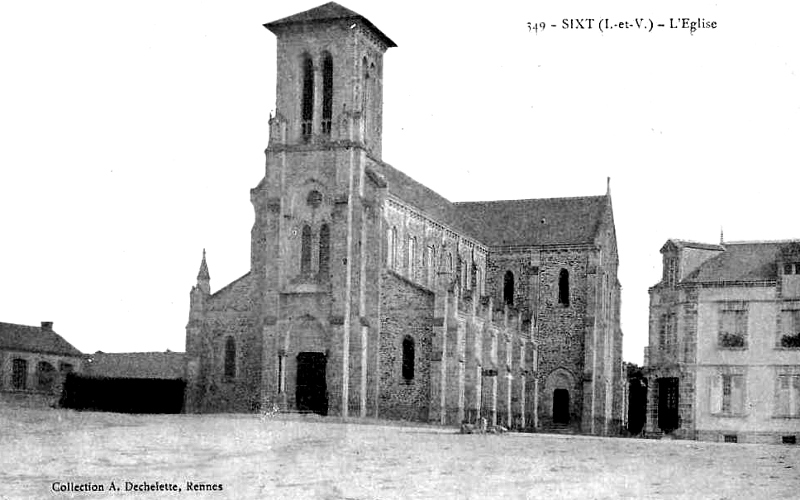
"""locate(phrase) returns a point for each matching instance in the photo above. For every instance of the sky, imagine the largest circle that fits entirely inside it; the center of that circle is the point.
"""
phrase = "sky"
(132, 132)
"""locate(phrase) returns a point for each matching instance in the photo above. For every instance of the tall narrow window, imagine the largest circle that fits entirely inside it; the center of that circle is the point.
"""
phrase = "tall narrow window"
(308, 98)
(327, 94)
(19, 374)
(305, 250)
(787, 397)
(412, 256)
(508, 288)
(230, 358)
(391, 247)
(408, 358)
(281, 373)
(563, 288)
(429, 264)
(324, 250)
(727, 394)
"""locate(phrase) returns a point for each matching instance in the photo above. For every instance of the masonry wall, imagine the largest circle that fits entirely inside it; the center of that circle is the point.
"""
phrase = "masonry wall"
(406, 310)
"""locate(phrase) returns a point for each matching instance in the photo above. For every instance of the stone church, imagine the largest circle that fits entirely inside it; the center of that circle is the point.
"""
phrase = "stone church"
(370, 295)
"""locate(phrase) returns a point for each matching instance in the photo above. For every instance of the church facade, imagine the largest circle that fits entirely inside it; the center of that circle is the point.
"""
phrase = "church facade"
(371, 295)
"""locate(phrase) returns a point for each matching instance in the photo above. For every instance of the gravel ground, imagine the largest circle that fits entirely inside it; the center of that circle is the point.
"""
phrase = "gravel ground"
(264, 457)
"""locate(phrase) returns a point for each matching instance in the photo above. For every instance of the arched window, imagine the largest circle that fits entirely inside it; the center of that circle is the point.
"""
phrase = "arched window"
(429, 263)
(45, 376)
(408, 358)
(324, 250)
(230, 358)
(305, 250)
(19, 374)
(563, 287)
(365, 91)
(412, 256)
(508, 288)
(391, 247)
(307, 103)
(327, 93)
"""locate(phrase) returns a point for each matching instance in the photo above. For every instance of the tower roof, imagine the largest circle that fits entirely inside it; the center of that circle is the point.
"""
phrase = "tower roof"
(203, 274)
(327, 13)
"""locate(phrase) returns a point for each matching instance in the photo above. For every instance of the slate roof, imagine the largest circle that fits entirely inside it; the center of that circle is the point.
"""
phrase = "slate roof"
(693, 244)
(548, 221)
(34, 339)
(746, 261)
(154, 365)
(328, 12)
(422, 197)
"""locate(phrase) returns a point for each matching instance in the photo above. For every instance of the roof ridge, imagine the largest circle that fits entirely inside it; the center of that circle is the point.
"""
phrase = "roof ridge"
(532, 199)
(760, 242)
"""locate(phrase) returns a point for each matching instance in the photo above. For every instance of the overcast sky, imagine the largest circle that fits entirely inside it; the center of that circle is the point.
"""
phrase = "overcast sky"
(132, 132)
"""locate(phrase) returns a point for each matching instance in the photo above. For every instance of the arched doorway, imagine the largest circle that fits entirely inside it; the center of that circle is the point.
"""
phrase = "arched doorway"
(561, 406)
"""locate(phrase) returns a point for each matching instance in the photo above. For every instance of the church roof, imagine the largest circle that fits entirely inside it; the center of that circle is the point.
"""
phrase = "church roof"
(25, 338)
(422, 197)
(745, 261)
(159, 365)
(691, 244)
(328, 12)
(548, 221)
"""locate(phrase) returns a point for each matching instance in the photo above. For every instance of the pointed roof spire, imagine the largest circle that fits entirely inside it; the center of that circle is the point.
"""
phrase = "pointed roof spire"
(608, 185)
(203, 274)
(721, 236)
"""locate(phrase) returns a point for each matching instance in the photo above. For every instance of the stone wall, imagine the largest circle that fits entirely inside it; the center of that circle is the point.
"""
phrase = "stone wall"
(406, 310)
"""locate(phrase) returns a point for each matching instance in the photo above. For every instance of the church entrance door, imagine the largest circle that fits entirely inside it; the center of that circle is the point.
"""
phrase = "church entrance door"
(312, 392)
(560, 406)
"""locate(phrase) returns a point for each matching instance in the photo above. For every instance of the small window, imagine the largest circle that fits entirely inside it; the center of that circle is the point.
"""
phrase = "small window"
(281, 373)
(787, 269)
(65, 368)
(19, 374)
(789, 439)
(230, 358)
(305, 250)
(732, 327)
(508, 288)
(314, 199)
(408, 358)
(563, 288)
(731, 438)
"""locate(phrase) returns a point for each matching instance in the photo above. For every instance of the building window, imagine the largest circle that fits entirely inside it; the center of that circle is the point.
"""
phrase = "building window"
(281, 373)
(412, 256)
(365, 90)
(667, 331)
(790, 329)
(479, 281)
(65, 368)
(430, 258)
(305, 250)
(563, 288)
(391, 247)
(508, 288)
(732, 326)
(314, 199)
(408, 358)
(327, 93)
(19, 374)
(727, 394)
(324, 250)
(791, 268)
(787, 396)
(230, 359)
(45, 376)
(307, 103)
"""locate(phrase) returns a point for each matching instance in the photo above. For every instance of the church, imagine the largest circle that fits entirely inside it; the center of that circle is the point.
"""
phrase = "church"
(370, 295)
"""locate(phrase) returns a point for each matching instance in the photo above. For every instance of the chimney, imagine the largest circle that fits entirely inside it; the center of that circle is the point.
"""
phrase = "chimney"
(47, 326)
